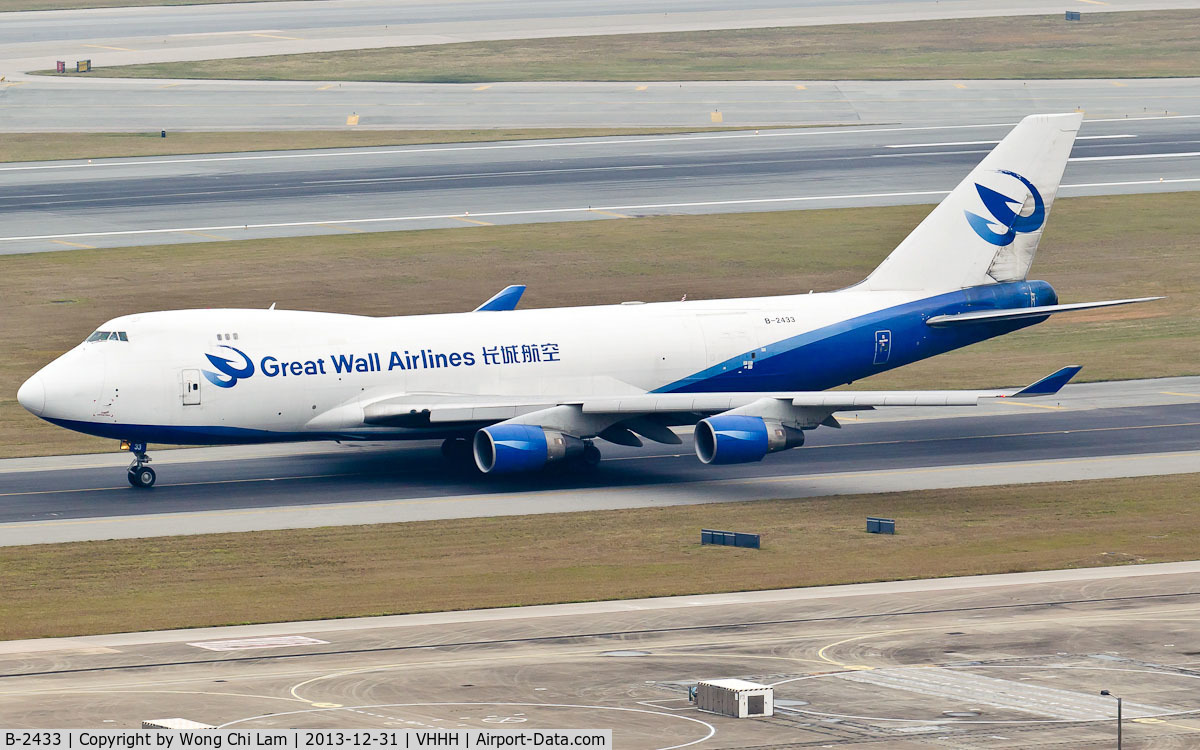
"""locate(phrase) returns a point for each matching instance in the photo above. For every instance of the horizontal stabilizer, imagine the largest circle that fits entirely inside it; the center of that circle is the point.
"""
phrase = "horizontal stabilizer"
(505, 299)
(991, 316)
(1049, 385)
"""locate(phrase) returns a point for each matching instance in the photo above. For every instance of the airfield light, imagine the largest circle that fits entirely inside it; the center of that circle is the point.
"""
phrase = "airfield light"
(1105, 692)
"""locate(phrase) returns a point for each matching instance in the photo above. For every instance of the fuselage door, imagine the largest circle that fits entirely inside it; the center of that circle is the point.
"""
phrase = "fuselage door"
(191, 387)
(883, 346)
(728, 335)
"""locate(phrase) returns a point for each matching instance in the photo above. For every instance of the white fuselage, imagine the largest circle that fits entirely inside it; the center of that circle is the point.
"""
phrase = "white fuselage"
(312, 370)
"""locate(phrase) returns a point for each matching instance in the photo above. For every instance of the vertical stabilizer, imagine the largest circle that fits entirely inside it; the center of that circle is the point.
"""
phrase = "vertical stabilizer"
(987, 230)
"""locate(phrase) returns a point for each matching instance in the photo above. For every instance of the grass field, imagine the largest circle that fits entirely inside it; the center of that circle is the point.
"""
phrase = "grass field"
(1094, 248)
(43, 147)
(1102, 45)
(195, 581)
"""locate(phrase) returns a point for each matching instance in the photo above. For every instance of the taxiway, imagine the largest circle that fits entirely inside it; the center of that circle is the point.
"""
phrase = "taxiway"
(118, 202)
(1003, 661)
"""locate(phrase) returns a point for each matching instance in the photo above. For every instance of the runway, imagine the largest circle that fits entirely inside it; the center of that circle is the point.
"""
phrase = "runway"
(118, 202)
(1137, 428)
(1003, 661)
(41, 104)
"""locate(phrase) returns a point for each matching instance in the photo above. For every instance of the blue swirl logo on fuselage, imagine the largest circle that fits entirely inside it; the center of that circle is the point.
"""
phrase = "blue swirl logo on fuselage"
(229, 372)
(1000, 207)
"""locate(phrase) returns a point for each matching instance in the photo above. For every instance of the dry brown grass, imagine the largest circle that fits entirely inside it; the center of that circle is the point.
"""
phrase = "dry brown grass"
(1102, 45)
(43, 147)
(151, 584)
(1094, 248)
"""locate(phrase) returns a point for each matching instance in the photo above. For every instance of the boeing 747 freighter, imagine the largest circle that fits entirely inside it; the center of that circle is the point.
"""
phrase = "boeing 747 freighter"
(515, 390)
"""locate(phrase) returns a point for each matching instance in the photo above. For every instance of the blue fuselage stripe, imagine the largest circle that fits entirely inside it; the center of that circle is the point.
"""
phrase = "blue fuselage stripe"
(847, 351)
(214, 435)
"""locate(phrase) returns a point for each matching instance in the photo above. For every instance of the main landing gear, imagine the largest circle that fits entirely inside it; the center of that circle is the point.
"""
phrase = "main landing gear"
(582, 462)
(591, 455)
(457, 451)
(140, 475)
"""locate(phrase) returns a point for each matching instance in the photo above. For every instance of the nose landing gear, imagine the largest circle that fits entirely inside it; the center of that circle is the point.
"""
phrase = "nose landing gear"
(139, 475)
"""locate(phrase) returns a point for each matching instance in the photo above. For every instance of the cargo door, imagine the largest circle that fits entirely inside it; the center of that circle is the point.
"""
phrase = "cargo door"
(680, 349)
(728, 339)
(191, 387)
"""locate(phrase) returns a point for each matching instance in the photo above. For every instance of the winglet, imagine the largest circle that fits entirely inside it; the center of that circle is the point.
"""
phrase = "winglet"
(1049, 385)
(505, 299)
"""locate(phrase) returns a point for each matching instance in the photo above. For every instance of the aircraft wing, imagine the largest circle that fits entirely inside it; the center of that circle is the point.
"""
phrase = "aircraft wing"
(710, 403)
(505, 299)
(807, 406)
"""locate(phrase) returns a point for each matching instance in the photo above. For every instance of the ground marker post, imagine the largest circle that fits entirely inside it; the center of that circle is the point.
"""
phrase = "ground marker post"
(729, 539)
(881, 525)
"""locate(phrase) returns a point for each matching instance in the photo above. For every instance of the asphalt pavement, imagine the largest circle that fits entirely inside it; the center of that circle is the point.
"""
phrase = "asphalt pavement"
(117, 202)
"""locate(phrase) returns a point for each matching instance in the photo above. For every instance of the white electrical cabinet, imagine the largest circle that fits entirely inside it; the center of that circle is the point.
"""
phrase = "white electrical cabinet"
(737, 698)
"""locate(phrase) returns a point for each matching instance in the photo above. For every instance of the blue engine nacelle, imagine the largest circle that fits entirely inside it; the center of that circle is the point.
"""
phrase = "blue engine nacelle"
(513, 448)
(735, 439)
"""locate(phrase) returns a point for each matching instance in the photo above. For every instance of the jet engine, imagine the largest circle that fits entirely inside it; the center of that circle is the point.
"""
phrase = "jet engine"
(736, 439)
(513, 448)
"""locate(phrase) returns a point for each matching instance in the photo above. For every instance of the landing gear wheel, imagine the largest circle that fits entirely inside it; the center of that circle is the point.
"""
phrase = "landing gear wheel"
(139, 475)
(142, 478)
(456, 450)
(591, 455)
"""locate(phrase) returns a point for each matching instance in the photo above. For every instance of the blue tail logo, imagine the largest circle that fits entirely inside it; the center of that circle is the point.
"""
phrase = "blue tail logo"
(229, 372)
(1000, 206)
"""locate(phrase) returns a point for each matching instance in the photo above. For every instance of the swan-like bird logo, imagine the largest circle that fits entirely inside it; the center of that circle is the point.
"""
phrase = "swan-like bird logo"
(1003, 214)
(229, 372)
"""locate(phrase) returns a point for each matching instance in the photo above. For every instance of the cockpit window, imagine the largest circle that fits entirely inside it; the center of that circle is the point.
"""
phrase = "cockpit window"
(108, 336)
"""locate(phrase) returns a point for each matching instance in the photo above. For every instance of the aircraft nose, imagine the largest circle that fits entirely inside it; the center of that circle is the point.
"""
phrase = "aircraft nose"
(32, 395)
